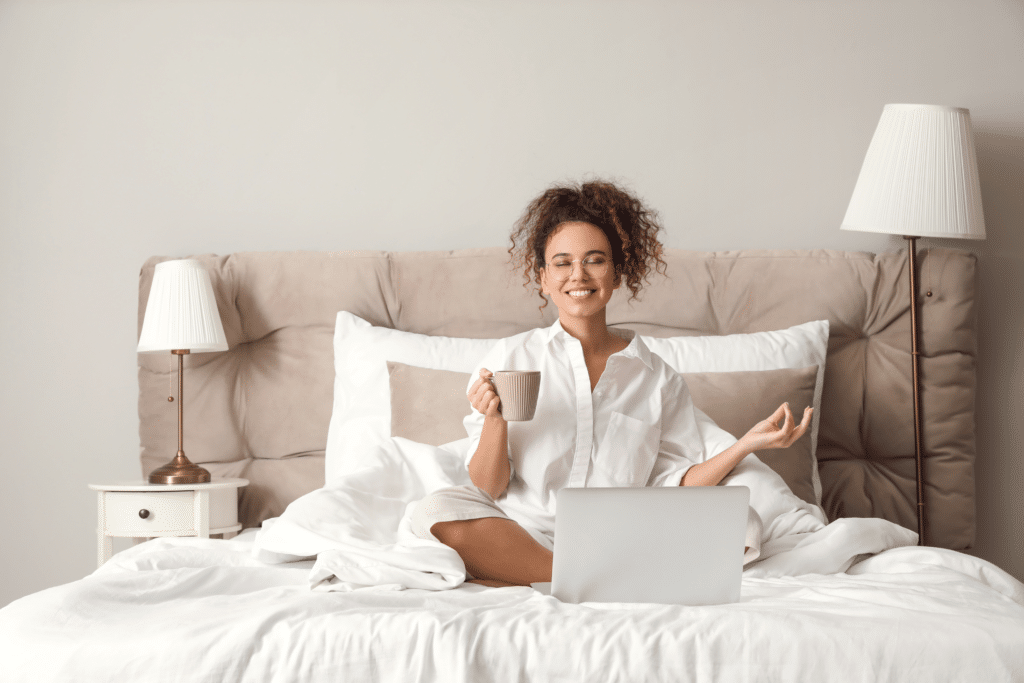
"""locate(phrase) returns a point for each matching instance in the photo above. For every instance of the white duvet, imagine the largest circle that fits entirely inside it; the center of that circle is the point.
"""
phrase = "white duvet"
(851, 601)
(207, 610)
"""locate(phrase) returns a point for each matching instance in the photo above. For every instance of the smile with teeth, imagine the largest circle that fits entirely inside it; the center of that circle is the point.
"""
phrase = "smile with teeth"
(581, 293)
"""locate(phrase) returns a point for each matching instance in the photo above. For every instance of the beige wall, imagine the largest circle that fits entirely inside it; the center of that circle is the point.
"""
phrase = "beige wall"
(146, 127)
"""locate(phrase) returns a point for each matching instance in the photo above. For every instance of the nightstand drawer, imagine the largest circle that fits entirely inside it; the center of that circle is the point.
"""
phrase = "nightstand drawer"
(138, 509)
(145, 514)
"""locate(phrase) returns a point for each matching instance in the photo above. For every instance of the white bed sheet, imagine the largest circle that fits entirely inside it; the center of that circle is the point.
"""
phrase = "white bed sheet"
(359, 525)
(206, 610)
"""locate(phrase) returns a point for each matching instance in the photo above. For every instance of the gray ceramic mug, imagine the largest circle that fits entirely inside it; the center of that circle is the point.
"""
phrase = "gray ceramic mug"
(518, 391)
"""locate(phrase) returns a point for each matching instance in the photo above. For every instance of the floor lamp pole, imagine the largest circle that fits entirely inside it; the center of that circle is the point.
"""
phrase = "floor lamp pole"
(912, 260)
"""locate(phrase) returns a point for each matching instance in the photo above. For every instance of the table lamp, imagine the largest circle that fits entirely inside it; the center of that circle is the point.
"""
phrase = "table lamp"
(181, 317)
(919, 179)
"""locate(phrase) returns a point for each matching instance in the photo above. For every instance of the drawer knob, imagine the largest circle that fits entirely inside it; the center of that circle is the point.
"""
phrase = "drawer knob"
(144, 513)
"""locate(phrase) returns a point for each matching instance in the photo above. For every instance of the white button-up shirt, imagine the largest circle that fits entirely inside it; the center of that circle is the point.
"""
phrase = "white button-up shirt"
(638, 427)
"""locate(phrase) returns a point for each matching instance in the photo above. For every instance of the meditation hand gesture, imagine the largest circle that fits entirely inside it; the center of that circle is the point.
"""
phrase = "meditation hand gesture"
(483, 397)
(768, 433)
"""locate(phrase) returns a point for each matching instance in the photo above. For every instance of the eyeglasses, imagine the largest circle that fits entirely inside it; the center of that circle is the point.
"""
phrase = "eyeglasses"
(595, 266)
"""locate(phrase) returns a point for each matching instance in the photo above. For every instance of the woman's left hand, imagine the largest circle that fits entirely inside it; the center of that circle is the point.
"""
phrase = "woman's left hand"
(768, 434)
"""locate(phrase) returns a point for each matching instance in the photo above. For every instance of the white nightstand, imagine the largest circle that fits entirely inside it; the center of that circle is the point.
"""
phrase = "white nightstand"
(138, 509)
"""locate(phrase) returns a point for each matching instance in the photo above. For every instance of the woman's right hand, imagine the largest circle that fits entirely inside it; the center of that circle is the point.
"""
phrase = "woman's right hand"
(483, 397)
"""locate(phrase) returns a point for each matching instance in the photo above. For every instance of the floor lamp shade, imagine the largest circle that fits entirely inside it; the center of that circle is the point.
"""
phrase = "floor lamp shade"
(182, 311)
(920, 176)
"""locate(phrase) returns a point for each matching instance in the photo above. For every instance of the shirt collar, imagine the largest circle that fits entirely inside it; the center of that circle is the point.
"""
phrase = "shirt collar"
(636, 348)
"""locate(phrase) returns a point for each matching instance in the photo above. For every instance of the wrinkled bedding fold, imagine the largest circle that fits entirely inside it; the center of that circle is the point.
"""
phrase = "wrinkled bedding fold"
(359, 529)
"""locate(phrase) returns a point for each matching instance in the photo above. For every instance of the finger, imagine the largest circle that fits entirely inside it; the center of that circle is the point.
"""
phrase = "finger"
(478, 395)
(476, 391)
(485, 394)
(486, 377)
(805, 423)
(780, 438)
(801, 428)
(777, 415)
(787, 426)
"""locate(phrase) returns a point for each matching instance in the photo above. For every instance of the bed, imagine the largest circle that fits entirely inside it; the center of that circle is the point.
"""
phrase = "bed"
(339, 399)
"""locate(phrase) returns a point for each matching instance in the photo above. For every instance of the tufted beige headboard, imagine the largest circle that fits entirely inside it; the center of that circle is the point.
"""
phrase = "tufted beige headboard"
(261, 409)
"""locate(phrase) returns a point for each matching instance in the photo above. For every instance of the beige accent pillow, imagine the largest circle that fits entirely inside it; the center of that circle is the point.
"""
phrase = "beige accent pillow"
(736, 401)
(428, 406)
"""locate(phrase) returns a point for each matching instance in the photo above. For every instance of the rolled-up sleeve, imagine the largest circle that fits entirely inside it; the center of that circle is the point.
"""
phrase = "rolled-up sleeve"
(681, 445)
(493, 360)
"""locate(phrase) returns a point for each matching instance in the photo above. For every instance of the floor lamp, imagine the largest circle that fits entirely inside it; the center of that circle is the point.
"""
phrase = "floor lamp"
(181, 317)
(919, 179)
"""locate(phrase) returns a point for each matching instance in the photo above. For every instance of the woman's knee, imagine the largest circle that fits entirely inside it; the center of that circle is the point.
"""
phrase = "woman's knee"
(438, 504)
(433, 512)
(469, 533)
(452, 534)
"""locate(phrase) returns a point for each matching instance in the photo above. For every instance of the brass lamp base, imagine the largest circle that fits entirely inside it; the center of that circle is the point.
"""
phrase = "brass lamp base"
(180, 470)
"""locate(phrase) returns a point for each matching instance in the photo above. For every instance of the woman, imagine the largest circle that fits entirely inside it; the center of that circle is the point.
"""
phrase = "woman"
(610, 413)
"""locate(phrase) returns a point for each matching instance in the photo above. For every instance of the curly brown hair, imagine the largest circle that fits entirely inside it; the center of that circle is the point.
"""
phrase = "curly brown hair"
(631, 228)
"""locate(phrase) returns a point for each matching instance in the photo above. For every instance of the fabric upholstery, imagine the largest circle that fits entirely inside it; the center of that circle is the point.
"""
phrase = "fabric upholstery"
(261, 409)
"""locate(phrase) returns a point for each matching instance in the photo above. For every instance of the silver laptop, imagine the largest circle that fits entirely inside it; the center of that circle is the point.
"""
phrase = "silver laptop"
(673, 545)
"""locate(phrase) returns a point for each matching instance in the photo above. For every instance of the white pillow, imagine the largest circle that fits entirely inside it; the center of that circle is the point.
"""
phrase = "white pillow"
(361, 417)
(362, 393)
(796, 347)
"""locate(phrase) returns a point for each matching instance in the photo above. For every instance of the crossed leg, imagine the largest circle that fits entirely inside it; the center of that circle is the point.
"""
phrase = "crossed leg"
(497, 552)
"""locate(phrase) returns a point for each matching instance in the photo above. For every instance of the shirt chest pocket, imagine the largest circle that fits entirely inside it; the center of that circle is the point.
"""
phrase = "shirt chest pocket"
(626, 453)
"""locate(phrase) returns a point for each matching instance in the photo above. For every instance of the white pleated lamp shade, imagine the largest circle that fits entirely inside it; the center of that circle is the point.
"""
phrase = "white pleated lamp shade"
(182, 311)
(920, 176)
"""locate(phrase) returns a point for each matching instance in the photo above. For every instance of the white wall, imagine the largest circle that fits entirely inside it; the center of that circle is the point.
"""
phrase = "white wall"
(144, 127)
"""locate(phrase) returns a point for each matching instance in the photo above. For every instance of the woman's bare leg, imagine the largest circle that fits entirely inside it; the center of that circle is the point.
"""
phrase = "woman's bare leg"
(496, 550)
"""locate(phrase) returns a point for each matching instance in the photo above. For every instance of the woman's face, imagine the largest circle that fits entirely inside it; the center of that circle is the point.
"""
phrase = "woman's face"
(578, 242)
